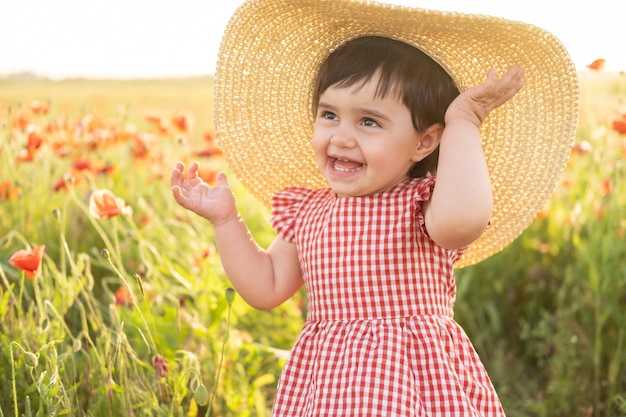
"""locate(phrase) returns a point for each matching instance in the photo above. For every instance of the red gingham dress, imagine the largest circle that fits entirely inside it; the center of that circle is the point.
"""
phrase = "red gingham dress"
(379, 339)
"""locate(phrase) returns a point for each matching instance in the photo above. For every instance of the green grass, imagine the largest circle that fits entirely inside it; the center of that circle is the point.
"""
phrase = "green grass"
(547, 314)
(94, 355)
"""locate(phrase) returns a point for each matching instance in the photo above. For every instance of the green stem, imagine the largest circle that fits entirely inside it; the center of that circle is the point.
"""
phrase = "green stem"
(20, 313)
(219, 367)
(61, 218)
(83, 319)
(50, 306)
(13, 378)
(40, 307)
(132, 297)
(195, 372)
(13, 373)
(116, 238)
(96, 224)
(5, 282)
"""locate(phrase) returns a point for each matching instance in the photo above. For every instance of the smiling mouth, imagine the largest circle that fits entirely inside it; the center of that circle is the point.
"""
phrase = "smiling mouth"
(344, 165)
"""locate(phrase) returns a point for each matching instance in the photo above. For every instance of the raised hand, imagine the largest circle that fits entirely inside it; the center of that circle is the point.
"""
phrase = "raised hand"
(475, 103)
(215, 204)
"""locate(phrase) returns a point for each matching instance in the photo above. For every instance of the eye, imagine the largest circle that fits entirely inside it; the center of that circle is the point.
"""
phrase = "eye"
(370, 122)
(325, 114)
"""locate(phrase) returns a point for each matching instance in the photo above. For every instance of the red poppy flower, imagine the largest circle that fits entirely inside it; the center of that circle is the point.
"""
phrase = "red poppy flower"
(208, 152)
(141, 144)
(209, 137)
(9, 191)
(107, 168)
(161, 123)
(35, 140)
(598, 64)
(123, 297)
(582, 147)
(207, 175)
(60, 185)
(104, 204)
(183, 122)
(28, 260)
(20, 121)
(81, 165)
(619, 123)
(211, 148)
(40, 107)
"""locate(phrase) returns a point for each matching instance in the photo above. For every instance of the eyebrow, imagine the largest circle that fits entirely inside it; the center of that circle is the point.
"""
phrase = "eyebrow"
(375, 114)
(365, 110)
(324, 105)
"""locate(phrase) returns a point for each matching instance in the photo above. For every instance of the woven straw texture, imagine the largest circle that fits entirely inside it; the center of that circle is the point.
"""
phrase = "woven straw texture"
(269, 56)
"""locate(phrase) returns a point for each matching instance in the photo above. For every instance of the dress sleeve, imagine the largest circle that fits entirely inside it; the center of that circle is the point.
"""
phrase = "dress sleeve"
(423, 191)
(285, 207)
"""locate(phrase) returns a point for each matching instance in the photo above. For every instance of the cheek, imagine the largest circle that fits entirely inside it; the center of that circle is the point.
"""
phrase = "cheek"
(318, 142)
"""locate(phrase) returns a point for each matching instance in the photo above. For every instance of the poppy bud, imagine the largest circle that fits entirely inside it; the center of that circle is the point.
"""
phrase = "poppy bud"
(161, 365)
(201, 395)
(30, 359)
(76, 345)
(230, 295)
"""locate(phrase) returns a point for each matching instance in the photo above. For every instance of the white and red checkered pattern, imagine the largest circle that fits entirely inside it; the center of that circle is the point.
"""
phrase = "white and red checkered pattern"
(379, 339)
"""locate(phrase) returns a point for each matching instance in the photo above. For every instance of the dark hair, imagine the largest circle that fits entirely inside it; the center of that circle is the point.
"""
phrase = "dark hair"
(424, 87)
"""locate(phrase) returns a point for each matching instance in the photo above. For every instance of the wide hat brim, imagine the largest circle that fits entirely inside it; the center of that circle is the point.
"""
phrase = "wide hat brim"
(269, 56)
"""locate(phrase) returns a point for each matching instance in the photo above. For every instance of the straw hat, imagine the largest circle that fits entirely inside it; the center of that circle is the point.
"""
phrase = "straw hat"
(268, 60)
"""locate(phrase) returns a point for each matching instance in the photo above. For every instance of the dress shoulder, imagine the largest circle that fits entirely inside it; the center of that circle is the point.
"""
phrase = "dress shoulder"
(285, 207)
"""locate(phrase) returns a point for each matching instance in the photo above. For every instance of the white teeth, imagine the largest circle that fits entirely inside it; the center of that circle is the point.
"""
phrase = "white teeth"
(345, 170)
(340, 165)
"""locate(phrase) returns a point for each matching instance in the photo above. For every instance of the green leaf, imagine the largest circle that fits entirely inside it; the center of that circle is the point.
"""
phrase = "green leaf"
(263, 380)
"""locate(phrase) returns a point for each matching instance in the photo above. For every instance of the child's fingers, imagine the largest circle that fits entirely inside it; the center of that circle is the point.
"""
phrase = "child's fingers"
(513, 76)
(513, 82)
(192, 172)
(515, 72)
(176, 192)
(499, 90)
(221, 179)
(177, 173)
(180, 198)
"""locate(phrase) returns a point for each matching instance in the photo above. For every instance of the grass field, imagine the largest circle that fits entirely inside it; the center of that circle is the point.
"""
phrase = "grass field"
(129, 313)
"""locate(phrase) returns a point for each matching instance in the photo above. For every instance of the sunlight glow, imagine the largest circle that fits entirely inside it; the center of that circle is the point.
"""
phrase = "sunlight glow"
(164, 38)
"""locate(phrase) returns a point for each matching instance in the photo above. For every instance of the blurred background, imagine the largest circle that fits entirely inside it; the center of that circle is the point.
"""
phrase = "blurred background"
(166, 38)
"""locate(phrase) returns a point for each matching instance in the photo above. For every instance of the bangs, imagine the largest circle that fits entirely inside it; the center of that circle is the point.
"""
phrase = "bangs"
(389, 81)
(404, 72)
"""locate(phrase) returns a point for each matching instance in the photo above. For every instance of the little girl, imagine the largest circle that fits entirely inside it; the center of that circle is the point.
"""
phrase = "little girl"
(376, 250)
(408, 191)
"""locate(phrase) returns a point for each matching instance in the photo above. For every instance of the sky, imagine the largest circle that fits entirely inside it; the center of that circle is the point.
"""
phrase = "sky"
(177, 38)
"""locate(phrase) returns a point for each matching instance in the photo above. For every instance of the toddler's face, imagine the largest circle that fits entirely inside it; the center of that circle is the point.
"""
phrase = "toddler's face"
(363, 144)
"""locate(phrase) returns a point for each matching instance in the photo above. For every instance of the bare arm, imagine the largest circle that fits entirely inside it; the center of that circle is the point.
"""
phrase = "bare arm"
(264, 278)
(460, 207)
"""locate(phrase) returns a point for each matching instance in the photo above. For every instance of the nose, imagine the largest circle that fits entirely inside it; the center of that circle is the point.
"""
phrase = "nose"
(343, 136)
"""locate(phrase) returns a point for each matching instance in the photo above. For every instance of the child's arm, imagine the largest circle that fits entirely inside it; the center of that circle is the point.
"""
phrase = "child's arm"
(460, 207)
(264, 278)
